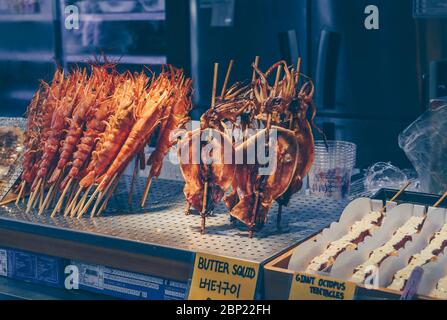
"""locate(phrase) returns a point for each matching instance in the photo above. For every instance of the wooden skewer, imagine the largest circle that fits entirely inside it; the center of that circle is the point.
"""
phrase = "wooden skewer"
(30, 201)
(33, 195)
(61, 198)
(267, 142)
(72, 205)
(227, 78)
(52, 192)
(253, 77)
(104, 204)
(81, 202)
(83, 209)
(255, 213)
(440, 200)
(22, 189)
(55, 195)
(71, 195)
(298, 70)
(396, 196)
(34, 184)
(297, 79)
(134, 176)
(204, 207)
(102, 193)
(47, 199)
(52, 202)
(278, 74)
(106, 201)
(146, 191)
(97, 202)
(206, 185)
(42, 192)
(216, 73)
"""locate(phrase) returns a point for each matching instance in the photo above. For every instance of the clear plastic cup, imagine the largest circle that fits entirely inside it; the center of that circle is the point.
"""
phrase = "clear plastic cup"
(330, 176)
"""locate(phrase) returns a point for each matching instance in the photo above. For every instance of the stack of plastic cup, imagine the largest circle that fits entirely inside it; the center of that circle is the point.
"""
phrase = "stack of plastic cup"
(330, 176)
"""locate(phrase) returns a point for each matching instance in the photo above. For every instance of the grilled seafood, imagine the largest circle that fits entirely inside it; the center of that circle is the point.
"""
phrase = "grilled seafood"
(209, 177)
(303, 131)
(270, 107)
(177, 116)
(59, 121)
(84, 129)
(147, 114)
(112, 139)
(75, 126)
(281, 107)
(95, 123)
(33, 135)
(248, 195)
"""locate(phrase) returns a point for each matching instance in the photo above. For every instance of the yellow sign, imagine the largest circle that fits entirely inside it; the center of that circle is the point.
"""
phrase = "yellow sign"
(220, 278)
(315, 287)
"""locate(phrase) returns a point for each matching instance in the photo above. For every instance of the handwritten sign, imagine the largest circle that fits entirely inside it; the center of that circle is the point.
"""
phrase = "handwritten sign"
(315, 287)
(216, 277)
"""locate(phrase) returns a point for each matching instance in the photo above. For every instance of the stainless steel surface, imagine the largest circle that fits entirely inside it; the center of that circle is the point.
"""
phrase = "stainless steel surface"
(17, 170)
(163, 223)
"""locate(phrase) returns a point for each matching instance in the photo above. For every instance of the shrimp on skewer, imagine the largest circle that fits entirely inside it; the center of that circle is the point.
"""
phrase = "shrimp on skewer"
(149, 113)
(96, 90)
(76, 123)
(112, 139)
(97, 116)
(95, 124)
(48, 120)
(60, 120)
(33, 133)
(94, 93)
(52, 94)
(84, 129)
(127, 96)
(33, 136)
(178, 115)
(59, 123)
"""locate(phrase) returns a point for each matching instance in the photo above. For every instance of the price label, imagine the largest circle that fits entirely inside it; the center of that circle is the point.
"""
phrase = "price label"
(315, 287)
(221, 278)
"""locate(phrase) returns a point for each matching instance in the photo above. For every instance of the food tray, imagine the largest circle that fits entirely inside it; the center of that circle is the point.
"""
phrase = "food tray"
(15, 172)
(278, 278)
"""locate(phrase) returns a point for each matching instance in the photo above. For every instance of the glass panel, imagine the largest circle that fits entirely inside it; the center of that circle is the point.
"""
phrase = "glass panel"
(26, 51)
(132, 31)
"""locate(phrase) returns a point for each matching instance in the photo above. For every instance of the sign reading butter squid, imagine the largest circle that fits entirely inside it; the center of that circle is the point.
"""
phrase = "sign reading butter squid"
(216, 277)
(315, 287)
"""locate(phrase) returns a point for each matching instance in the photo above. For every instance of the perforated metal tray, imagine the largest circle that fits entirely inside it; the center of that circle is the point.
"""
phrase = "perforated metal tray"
(15, 172)
(162, 225)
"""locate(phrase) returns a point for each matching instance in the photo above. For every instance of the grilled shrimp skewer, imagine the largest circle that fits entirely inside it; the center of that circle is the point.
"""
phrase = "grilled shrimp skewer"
(177, 116)
(147, 116)
(112, 139)
(95, 93)
(84, 129)
(33, 136)
(50, 121)
(57, 132)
